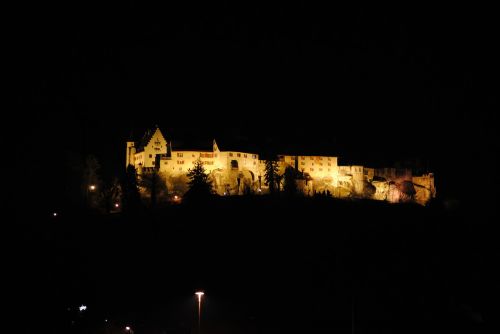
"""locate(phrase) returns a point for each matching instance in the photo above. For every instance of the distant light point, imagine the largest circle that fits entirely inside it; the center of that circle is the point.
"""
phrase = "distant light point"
(82, 308)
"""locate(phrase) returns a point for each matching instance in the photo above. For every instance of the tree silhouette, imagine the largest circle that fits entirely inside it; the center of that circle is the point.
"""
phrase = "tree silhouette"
(290, 184)
(111, 195)
(271, 174)
(91, 185)
(155, 186)
(131, 199)
(200, 185)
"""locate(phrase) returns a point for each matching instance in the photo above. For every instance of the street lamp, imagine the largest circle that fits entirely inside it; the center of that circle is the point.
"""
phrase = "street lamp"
(129, 330)
(199, 294)
(92, 187)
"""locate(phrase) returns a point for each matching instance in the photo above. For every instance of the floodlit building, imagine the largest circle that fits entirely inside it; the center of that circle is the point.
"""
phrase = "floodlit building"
(238, 171)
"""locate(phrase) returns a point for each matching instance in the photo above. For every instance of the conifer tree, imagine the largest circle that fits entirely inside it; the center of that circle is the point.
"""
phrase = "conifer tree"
(271, 175)
(200, 184)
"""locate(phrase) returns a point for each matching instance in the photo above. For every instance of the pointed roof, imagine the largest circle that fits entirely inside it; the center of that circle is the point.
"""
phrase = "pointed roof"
(147, 138)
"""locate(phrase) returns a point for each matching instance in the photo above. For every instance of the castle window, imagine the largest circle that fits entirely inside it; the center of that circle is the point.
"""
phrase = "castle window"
(254, 163)
(238, 155)
(321, 164)
(329, 164)
(328, 159)
(254, 156)
(311, 169)
(150, 155)
(180, 162)
(303, 158)
(244, 155)
(312, 163)
(165, 163)
(320, 158)
(312, 158)
(230, 154)
(302, 163)
(179, 155)
(193, 155)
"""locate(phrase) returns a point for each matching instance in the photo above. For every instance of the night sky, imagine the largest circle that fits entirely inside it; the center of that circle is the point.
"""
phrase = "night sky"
(373, 84)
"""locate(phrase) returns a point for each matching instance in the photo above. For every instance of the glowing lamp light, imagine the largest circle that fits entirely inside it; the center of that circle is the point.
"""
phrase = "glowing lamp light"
(127, 328)
(54, 214)
(176, 197)
(199, 294)
(92, 187)
(117, 205)
(82, 308)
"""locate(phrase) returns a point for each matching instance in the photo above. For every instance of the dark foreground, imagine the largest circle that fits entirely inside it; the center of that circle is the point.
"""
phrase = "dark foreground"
(309, 266)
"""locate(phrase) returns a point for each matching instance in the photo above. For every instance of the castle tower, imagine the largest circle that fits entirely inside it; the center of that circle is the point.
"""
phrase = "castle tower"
(357, 178)
(130, 154)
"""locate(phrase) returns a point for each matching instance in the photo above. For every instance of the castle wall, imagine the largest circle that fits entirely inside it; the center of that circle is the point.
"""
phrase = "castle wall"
(236, 172)
(425, 188)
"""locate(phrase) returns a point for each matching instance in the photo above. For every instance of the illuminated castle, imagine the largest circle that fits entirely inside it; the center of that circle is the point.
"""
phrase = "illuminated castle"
(235, 172)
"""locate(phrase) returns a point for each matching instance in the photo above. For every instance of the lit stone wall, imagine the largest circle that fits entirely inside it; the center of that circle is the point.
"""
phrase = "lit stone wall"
(424, 187)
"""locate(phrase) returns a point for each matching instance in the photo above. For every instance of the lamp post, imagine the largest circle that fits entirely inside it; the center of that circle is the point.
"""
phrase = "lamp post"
(199, 294)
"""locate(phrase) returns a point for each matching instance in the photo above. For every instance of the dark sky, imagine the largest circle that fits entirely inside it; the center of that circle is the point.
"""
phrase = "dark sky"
(369, 81)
